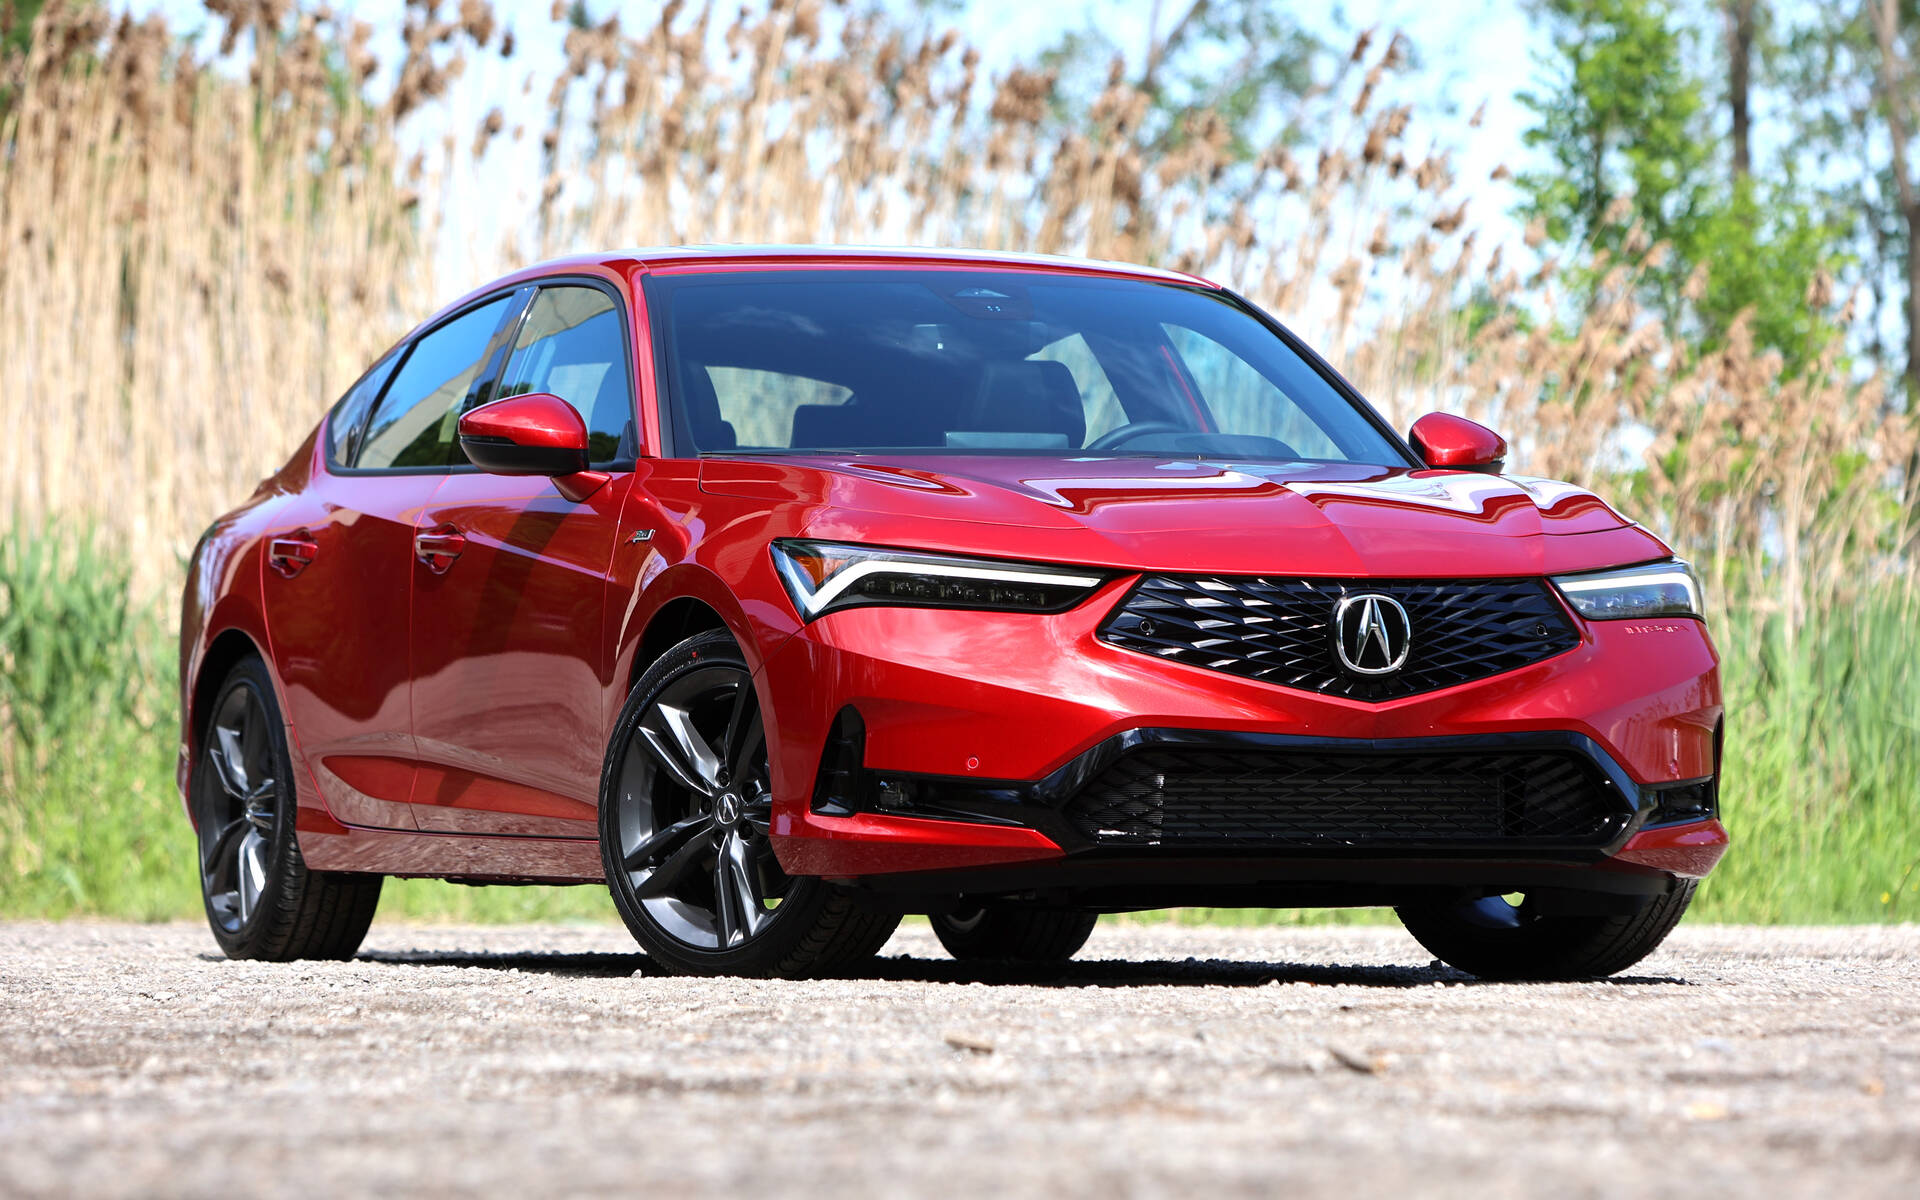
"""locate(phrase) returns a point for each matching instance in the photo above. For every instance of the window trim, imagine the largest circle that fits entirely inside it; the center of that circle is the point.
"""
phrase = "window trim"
(607, 288)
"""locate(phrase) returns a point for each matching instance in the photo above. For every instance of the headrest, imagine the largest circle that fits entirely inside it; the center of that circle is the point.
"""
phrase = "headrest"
(1029, 397)
(710, 431)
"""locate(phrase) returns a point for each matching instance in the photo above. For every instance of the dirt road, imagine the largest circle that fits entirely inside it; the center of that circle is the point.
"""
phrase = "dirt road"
(544, 1060)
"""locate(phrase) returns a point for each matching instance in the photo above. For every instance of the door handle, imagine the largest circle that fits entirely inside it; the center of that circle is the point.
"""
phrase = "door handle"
(288, 556)
(438, 547)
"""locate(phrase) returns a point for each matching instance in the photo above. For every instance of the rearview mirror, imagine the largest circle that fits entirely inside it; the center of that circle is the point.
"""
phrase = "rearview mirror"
(535, 434)
(1444, 440)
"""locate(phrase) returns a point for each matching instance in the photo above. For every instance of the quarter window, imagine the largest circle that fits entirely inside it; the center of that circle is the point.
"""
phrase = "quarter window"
(349, 419)
(573, 346)
(417, 422)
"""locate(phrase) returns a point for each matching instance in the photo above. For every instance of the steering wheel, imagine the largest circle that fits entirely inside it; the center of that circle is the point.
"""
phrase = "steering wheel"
(1120, 435)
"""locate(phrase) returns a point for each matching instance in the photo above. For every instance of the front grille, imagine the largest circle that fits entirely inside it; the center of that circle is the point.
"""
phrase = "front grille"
(1280, 630)
(1364, 799)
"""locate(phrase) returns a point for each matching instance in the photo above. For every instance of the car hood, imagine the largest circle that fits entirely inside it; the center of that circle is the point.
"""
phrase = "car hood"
(1183, 514)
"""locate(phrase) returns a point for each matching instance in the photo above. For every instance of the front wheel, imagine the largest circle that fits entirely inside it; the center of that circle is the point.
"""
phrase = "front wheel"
(685, 810)
(1496, 938)
(1020, 935)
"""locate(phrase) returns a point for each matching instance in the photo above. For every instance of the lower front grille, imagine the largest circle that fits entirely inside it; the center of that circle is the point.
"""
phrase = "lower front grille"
(1367, 799)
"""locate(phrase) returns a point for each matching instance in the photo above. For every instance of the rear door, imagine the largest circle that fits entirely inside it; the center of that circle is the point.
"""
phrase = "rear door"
(338, 589)
(511, 669)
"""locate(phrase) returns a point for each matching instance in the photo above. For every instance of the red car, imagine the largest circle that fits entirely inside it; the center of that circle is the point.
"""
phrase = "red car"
(787, 591)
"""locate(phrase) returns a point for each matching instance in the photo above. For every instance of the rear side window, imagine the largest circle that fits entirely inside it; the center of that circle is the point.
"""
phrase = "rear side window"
(416, 423)
(572, 345)
(349, 418)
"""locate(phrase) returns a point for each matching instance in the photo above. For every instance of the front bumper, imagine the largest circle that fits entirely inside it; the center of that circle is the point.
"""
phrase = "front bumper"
(977, 729)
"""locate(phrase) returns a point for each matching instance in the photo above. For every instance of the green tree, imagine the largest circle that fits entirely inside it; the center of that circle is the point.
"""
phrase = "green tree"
(16, 24)
(1622, 123)
(1617, 115)
(1850, 77)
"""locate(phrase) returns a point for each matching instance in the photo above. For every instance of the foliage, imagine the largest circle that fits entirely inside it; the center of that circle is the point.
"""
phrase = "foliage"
(1225, 65)
(1822, 783)
(1848, 96)
(1620, 118)
(1627, 143)
(16, 29)
(87, 822)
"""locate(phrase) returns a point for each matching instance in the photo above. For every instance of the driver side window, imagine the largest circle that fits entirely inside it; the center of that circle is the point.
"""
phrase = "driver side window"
(415, 424)
(573, 345)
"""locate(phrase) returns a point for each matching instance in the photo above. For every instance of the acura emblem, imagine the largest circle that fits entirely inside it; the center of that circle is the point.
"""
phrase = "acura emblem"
(1371, 634)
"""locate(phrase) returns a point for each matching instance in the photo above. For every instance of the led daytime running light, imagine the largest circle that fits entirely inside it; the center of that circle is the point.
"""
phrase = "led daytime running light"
(823, 576)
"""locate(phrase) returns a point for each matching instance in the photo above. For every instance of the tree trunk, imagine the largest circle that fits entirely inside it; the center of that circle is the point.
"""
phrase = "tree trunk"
(1896, 101)
(1910, 217)
(1739, 15)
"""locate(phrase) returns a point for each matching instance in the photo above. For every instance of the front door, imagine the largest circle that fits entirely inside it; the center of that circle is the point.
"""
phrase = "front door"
(511, 669)
(340, 572)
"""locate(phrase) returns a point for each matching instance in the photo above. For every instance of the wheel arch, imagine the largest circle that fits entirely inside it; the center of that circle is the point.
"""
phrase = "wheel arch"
(227, 648)
(677, 620)
(685, 599)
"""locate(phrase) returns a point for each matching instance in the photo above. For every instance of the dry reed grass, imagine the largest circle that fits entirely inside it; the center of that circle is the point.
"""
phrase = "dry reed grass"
(196, 259)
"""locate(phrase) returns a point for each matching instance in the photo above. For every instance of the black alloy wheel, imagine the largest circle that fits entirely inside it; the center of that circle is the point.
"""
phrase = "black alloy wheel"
(240, 813)
(686, 807)
(260, 898)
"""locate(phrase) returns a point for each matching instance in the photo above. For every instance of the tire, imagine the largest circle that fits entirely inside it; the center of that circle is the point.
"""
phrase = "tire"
(261, 900)
(1021, 935)
(1497, 940)
(685, 805)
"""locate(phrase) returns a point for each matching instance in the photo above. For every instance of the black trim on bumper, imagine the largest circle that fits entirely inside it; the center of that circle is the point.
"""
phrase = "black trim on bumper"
(1043, 804)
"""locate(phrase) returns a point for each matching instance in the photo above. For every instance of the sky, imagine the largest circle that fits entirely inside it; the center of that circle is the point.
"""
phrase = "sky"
(1470, 52)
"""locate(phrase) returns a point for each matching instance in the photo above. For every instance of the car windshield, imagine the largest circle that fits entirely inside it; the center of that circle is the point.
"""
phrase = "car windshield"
(1003, 362)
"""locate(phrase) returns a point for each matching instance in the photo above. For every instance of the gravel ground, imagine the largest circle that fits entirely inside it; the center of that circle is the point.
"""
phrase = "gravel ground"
(1168, 1060)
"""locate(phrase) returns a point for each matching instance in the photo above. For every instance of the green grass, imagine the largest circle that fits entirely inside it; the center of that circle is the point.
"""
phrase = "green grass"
(1821, 788)
(1821, 784)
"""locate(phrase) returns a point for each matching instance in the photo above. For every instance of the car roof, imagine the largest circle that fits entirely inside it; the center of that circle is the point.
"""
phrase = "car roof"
(734, 257)
(674, 257)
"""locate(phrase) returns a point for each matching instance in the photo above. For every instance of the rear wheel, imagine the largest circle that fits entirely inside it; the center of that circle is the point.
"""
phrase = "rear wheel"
(260, 898)
(1497, 938)
(1030, 935)
(685, 809)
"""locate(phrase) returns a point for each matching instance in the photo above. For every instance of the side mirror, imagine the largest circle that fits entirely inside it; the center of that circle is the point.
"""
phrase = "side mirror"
(535, 434)
(1444, 440)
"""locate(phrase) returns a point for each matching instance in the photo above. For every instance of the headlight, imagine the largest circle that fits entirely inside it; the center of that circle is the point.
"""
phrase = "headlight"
(1663, 589)
(824, 576)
